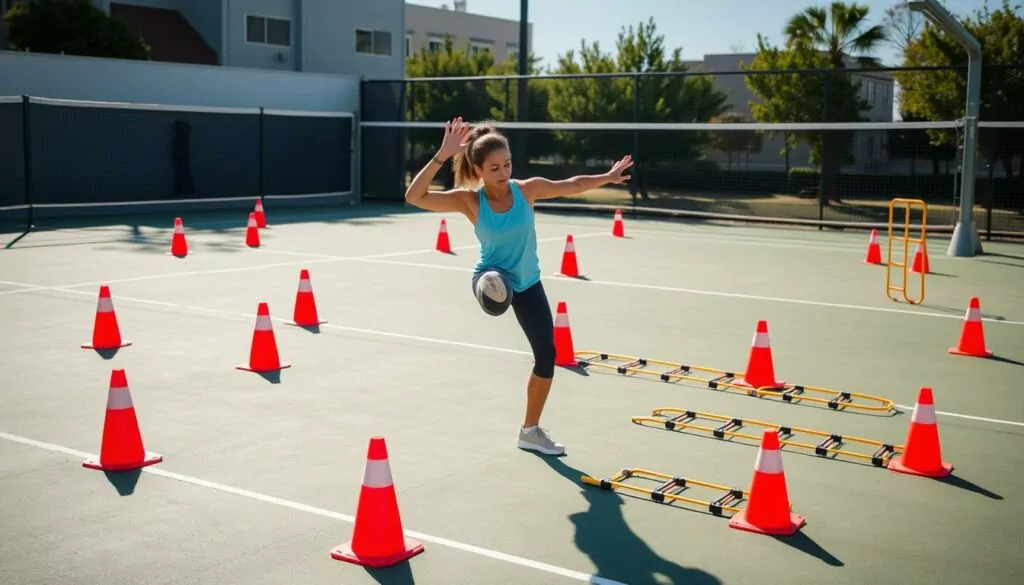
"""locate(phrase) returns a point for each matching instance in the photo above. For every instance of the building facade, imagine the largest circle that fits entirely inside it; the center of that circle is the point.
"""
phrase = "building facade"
(346, 37)
(426, 27)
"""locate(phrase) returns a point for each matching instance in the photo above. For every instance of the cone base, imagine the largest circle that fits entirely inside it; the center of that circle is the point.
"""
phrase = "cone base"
(897, 465)
(739, 522)
(958, 351)
(778, 385)
(189, 253)
(343, 552)
(305, 323)
(247, 368)
(149, 459)
(124, 343)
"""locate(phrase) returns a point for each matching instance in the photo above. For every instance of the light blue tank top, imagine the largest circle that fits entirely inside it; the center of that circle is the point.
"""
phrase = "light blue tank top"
(508, 241)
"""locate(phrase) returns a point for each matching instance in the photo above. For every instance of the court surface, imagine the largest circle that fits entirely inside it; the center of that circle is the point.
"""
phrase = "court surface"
(261, 475)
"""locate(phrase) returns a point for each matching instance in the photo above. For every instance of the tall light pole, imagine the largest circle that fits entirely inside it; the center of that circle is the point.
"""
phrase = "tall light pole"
(522, 96)
(965, 241)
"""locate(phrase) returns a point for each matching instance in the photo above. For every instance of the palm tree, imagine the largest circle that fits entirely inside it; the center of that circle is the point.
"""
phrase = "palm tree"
(838, 32)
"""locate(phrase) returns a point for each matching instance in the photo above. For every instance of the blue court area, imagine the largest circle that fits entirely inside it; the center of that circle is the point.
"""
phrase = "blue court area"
(261, 474)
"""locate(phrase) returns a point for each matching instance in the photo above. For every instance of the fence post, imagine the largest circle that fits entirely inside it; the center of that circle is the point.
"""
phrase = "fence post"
(262, 146)
(26, 139)
(637, 179)
(825, 145)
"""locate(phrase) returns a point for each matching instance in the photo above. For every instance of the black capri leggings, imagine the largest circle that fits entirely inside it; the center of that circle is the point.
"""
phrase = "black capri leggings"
(534, 315)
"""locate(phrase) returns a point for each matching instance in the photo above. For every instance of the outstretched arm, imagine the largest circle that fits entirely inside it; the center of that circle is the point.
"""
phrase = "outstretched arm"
(419, 193)
(540, 188)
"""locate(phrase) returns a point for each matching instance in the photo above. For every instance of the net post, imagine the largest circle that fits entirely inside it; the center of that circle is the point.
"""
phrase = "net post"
(26, 139)
(636, 141)
(262, 154)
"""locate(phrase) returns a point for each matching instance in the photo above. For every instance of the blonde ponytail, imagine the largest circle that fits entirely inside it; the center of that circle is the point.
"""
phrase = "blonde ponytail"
(482, 140)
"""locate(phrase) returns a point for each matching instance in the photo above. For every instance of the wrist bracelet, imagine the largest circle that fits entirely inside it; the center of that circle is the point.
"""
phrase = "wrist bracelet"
(434, 158)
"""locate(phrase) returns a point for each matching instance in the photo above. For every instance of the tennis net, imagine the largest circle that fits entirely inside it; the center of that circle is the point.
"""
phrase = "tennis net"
(74, 156)
(841, 174)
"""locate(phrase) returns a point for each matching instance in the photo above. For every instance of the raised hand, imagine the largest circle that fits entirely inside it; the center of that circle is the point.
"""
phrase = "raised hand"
(455, 132)
(615, 175)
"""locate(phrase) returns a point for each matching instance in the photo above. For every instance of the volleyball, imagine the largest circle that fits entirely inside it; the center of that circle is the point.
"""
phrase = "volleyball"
(494, 292)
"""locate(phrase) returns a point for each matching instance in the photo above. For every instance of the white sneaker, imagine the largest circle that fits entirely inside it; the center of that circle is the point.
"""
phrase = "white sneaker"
(538, 440)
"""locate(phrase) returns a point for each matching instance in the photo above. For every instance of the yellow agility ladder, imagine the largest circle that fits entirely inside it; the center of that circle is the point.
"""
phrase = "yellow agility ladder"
(833, 444)
(726, 381)
(670, 489)
(908, 205)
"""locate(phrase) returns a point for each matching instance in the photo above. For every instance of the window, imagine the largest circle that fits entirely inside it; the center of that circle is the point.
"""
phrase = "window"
(480, 47)
(373, 42)
(513, 50)
(265, 30)
(408, 46)
(435, 43)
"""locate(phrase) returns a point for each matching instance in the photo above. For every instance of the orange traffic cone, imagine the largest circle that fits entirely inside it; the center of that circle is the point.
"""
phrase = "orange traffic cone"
(922, 454)
(443, 243)
(106, 334)
(261, 218)
(565, 354)
(760, 372)
(179, 247)
(874, 255)
(121, 448)
(618, 230)
(768, 509)
(920, 259)
(377, 538)
(570, 267)
(252, 232)
(263, 356)
(972, 334)
(305, 304)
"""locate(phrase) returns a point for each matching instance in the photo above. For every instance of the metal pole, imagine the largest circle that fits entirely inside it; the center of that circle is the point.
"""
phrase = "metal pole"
(965, 241)
(522, 97)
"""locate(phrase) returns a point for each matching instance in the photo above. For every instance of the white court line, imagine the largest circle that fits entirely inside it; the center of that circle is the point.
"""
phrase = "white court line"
(493, 554)
(312, 258)
(714, 293)
(458, 344)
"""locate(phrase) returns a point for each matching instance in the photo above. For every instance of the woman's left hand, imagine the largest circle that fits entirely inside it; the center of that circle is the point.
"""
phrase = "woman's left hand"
(615, 175)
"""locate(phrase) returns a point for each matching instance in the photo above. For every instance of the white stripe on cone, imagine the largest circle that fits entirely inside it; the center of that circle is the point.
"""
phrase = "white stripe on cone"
(119, 399)
(570, 247)
(252, 222)
(105, 305)
(769, 461)
(305, 285)
(561, 320)
(377, 474)
(263, 323)
(924, 414)
(761, 340)
(179, 229)
(973, 314)
(874, 238)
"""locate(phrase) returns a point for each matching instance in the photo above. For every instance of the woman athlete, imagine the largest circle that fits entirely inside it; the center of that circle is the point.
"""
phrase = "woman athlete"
(501, 211)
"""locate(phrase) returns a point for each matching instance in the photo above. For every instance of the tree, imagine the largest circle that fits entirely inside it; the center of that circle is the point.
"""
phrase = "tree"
(903, 25)
(941, 95)
(825, 39)
(72, 27)
(436, 100)
(640, 57)
(736, 142)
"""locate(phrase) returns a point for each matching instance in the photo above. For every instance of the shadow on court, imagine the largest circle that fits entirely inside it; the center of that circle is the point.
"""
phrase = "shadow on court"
(124, 481)
(618, 553)
(397, 574)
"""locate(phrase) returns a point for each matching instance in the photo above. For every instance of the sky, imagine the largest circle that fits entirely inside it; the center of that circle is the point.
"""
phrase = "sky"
(698, 26)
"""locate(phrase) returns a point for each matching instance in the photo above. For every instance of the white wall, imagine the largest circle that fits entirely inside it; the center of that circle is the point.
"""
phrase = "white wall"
(89, 78)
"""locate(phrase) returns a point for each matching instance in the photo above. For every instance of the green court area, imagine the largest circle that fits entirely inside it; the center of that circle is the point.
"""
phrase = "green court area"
(261, 474)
